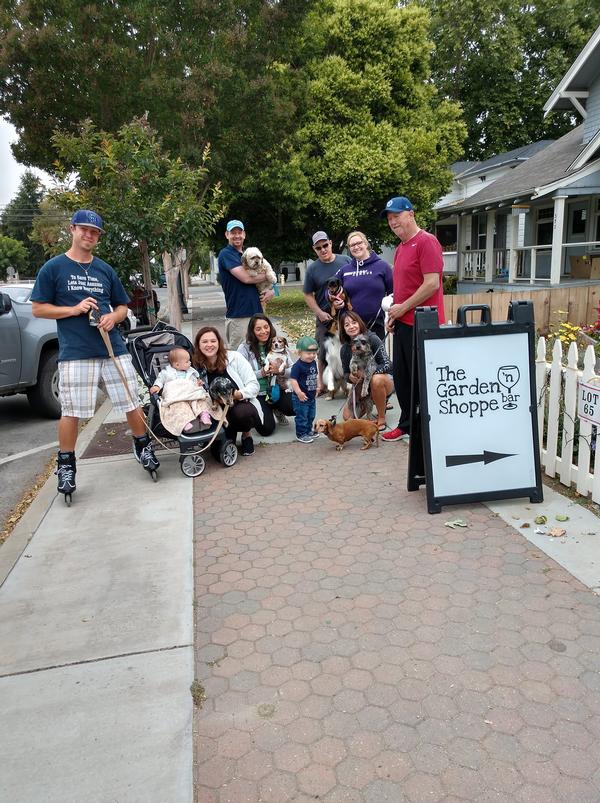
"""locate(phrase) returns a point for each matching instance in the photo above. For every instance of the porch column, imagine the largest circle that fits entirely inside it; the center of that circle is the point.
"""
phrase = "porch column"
(557, 238)
(513, 233)
(489, 246)
(459, 235)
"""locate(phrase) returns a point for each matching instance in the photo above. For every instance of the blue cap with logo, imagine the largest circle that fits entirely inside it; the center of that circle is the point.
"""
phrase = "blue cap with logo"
(85, 217)
(397, 204)
(235, 224)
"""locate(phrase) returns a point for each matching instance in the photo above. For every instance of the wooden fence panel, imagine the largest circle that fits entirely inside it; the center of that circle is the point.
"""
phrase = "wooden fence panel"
(584, 480)
(554, 408)
(569, 414)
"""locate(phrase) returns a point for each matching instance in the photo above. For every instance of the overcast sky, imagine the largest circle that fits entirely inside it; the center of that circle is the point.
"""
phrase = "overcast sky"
(10, 170)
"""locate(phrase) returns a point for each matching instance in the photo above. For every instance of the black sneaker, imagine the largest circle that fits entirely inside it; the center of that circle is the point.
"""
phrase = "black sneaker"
(247, 446)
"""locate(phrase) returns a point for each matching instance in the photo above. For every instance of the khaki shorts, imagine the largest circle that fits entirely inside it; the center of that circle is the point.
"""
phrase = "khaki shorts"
(235, 331)
(79, 381)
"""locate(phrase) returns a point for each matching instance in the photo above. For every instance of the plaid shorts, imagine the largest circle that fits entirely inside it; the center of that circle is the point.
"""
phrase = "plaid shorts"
(79, 380)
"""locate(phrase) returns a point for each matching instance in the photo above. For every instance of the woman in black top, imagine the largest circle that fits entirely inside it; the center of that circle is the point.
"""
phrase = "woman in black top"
(381, 385)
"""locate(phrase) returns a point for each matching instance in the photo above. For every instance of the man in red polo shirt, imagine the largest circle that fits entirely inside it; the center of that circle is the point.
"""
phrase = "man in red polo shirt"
(418, 266)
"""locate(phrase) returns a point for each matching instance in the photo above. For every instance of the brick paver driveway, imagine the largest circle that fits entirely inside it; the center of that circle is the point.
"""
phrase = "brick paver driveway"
(353, 648)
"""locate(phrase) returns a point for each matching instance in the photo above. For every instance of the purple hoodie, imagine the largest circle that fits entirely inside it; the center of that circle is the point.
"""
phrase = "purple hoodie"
(366, 283)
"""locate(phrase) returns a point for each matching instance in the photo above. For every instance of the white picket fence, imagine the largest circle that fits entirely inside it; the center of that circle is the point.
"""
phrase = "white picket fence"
(557, 404)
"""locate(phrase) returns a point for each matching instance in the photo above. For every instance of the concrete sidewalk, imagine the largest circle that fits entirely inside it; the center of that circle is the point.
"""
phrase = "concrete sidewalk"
(350, 646)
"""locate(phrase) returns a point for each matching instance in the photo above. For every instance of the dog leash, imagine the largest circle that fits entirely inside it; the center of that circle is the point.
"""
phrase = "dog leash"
(107, 342)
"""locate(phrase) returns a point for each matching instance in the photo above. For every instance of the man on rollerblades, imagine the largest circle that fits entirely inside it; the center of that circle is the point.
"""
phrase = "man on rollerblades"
(84, 295)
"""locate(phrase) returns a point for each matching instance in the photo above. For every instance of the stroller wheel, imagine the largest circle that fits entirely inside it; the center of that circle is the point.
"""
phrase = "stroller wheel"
(229, 454)
(192, 465)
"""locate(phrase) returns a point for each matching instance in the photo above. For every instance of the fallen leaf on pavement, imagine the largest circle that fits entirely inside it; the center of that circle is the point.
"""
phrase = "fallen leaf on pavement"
(455, 523)
(561, 517)
(541, 519)
(557, 532)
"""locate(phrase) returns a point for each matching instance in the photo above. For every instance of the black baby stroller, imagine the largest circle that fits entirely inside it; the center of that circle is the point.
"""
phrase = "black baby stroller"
(149, 352)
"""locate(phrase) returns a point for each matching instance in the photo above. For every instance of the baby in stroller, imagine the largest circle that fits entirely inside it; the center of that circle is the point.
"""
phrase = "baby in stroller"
(185, 403)
(151, 353)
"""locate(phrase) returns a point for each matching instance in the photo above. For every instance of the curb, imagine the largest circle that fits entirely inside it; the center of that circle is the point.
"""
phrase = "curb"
(18, 540)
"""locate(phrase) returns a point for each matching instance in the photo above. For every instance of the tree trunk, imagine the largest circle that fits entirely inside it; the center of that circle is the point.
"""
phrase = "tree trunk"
(185, 272)
(171, 272)
(145, 257)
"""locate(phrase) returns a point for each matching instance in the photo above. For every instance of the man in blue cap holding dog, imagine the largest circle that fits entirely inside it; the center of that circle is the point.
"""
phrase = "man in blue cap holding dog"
(418, 267)
(85, 297)
(242, 299)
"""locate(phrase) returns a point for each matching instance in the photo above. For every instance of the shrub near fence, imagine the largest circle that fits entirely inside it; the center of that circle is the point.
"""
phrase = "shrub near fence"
(564, 437)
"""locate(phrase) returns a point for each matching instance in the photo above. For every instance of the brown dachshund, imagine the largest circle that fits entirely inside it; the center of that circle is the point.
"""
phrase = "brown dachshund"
(340, 433)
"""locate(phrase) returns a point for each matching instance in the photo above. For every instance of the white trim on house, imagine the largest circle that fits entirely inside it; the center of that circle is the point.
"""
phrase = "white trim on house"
(587, 153)
(562, 90)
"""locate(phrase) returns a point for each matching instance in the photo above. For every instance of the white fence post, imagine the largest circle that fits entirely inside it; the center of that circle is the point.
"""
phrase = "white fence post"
(554, 408)
(569, 414)
(584, 478)
(541, 373)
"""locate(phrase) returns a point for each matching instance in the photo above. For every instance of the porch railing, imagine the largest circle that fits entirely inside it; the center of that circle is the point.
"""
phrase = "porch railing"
(475, 260)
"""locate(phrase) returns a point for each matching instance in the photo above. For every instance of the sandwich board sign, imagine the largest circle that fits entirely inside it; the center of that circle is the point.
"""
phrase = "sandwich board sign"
(474, 433)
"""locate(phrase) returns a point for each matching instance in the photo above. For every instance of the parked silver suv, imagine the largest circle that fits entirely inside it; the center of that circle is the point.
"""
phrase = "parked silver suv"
(29, 350)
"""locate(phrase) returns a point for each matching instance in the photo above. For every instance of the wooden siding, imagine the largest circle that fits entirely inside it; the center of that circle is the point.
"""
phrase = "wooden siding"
(578, 305)
(591, 124)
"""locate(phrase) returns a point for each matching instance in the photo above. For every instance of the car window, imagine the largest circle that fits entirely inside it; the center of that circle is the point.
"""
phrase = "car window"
(20, 294)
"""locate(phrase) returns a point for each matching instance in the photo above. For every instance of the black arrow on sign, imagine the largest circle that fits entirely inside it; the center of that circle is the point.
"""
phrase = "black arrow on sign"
(485, 458)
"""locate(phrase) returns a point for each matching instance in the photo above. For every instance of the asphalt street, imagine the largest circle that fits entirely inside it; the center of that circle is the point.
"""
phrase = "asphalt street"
(30, 441)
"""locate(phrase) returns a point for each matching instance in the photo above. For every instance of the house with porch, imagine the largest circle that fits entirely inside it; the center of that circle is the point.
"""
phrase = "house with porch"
(539, 222)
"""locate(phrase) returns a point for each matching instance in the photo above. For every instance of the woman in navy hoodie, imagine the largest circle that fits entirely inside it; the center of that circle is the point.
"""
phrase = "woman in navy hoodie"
(366, 279)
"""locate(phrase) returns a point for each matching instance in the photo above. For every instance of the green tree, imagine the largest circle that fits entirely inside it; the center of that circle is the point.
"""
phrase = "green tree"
(197, 68)
(13, 254)
(152, 203)
(501, 59)
(370, 125)
(19, 215)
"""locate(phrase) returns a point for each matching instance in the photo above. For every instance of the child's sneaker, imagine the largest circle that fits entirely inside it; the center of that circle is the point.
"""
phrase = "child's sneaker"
(304, 438)
(394, 435)
(205, 418)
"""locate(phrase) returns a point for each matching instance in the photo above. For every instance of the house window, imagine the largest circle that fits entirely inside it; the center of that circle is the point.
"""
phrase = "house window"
(596, 227)
(478, 232)
(545, 223)
(578, 223)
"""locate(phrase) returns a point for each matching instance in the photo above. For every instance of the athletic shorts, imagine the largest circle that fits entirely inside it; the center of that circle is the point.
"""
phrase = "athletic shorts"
(79, 381)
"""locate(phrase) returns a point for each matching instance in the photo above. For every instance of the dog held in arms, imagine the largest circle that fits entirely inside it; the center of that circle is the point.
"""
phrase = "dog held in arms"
(363, 366)
(221, 391)
(353, 428)
(255, 264)
(333, 373)
(279, 356)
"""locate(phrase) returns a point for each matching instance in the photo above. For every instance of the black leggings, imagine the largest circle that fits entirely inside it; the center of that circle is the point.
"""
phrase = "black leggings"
(402, 371)
(243, 416)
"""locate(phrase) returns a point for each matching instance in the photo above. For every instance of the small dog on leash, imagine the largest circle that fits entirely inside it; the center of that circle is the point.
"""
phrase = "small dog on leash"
(255, 263)
(221, 390)
(362, 363)
(340, 433)
(281, 357)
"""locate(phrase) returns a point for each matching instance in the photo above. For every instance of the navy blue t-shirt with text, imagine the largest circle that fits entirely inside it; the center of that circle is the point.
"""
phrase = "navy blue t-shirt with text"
(63, 282)
(306, 375)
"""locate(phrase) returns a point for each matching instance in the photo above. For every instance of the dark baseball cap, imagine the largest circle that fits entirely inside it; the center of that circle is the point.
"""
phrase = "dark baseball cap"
(85, 217)
(398, 204)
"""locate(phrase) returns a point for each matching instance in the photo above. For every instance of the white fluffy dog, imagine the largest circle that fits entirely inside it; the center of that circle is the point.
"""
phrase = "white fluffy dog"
(255, 263)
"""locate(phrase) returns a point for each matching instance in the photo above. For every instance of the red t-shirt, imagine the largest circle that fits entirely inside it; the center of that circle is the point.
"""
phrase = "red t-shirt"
(421, 254)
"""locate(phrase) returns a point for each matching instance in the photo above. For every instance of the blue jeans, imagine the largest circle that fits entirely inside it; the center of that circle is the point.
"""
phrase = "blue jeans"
(305, 415)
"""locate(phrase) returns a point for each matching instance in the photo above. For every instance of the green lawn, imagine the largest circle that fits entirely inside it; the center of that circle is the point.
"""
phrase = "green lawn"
(296, 319)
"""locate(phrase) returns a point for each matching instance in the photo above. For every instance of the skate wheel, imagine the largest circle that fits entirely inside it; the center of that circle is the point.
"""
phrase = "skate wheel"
(154, 476)
(68, 500)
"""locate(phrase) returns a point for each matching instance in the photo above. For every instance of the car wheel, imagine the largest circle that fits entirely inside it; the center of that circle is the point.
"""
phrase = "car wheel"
(43, 397)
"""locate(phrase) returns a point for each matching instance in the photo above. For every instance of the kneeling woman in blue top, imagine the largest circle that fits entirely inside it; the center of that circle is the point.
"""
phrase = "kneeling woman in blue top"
(255, 349)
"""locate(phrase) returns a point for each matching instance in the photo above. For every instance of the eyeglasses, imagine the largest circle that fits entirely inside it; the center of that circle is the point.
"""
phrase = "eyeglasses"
(355, 244)
(322, 247)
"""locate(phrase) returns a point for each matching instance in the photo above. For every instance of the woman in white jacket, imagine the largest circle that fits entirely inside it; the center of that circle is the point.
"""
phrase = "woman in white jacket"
(212, 359)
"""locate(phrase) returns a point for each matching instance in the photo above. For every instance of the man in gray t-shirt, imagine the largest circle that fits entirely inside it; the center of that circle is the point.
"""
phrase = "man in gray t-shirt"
(318, 274)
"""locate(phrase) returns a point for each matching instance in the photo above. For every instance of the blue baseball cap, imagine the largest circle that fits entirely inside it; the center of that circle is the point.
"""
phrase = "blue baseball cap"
(397, 204)
(85, 217)
(235, 224)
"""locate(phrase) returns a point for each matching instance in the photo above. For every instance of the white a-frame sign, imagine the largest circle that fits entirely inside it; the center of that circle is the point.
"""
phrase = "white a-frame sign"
(474, 429)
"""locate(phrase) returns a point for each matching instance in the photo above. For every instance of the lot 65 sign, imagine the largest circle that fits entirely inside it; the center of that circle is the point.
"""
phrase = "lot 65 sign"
(588, 402)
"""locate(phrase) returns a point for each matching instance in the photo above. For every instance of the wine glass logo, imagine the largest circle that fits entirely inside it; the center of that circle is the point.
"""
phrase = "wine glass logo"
(508, 376)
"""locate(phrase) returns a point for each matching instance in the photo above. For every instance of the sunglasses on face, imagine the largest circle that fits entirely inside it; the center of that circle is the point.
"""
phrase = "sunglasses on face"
(322, 247)
(356, 244)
